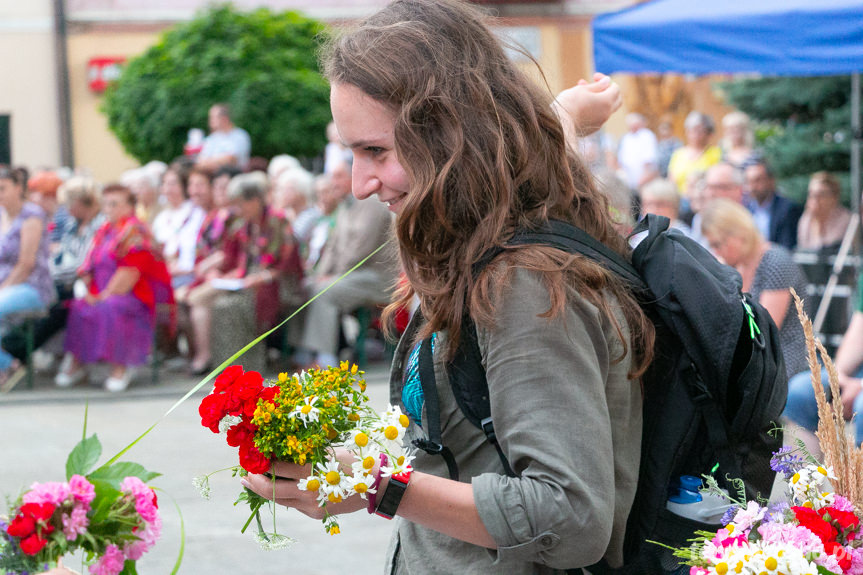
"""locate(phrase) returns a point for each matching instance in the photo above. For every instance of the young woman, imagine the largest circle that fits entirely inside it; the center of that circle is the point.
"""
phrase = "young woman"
(824, 219)
(25, 276)
(465, 149)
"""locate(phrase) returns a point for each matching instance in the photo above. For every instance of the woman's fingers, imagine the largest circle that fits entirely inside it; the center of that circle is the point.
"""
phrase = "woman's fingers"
(270, 488)
(288, 470)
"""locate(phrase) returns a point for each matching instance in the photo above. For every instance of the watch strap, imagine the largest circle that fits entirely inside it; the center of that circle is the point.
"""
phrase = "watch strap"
(389, 502)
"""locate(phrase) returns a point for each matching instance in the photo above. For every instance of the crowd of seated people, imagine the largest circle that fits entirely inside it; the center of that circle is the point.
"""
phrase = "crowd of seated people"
(165, 244)
(721, 190)
(282, 235)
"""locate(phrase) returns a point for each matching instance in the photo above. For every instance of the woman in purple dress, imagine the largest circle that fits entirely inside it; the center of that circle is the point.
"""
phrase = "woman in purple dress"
(114, 322)
(25, 277)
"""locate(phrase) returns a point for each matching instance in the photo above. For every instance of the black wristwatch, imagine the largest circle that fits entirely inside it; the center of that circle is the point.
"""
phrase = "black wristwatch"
(388, 504)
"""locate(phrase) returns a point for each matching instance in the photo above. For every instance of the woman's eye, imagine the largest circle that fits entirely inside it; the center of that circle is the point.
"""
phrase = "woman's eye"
(374, 150)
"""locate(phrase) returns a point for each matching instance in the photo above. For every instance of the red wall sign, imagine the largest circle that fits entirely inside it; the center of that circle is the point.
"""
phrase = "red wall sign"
(102, 70)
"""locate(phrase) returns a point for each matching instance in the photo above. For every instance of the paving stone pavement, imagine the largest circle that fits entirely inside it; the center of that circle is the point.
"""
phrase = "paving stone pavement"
(39, 427)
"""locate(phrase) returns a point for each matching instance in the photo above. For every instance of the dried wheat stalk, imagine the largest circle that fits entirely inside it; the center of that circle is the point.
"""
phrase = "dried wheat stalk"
(839, 450)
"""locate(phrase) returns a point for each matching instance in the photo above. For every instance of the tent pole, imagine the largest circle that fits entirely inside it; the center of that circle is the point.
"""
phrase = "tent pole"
(856, 136)
(851, 232)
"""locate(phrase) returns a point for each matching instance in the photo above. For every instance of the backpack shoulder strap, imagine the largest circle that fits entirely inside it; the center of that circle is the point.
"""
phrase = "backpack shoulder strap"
(432, 445)
(470, 388)
(571, 239)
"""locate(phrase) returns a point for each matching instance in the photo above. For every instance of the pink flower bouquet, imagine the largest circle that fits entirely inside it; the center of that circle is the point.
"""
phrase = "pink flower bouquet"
(109, 513)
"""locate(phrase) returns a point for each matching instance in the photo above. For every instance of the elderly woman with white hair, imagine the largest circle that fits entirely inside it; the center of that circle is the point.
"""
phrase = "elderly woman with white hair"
(661, 197)
(259, 254)
(294, 197)
(145, 183)
(738, 140)
(280, 164)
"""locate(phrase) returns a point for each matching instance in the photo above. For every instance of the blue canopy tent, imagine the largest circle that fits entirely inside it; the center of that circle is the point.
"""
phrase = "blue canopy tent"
(769, 37)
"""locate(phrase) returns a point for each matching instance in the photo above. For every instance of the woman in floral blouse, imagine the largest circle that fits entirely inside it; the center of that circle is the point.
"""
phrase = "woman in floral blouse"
(259, 253)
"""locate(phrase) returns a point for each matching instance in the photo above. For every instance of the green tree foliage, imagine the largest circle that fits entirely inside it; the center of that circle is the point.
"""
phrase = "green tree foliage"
(803, 125)
(263, 64)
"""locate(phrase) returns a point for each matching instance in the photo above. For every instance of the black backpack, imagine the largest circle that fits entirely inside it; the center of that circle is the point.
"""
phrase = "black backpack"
(712, 395)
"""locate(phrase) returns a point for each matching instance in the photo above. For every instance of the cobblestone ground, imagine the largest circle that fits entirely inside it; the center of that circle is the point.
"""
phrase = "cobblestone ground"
(39, 427)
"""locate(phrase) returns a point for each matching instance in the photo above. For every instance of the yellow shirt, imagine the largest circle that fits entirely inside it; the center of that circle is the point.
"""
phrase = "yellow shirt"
(682, 164)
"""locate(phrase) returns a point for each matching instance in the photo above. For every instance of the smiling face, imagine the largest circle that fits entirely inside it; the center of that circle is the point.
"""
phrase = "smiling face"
(200, 191)
(366, 126)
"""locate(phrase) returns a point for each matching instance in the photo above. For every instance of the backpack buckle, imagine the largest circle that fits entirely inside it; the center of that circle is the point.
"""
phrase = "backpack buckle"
(430, 447)
(487, 426)
(704, 396)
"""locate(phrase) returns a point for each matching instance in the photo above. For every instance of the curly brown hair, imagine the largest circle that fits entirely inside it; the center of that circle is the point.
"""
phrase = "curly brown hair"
(485, 154)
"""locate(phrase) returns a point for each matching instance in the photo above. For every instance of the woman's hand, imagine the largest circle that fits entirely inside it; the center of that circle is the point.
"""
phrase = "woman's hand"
(850, 388)
(586, 106)
(59, 570)
(284, 490)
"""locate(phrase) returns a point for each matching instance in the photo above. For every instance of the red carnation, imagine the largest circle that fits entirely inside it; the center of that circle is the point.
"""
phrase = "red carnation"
(845, 519)
(252, 459)
(838, 551)
(227, 377)
(38, 511)
(812, 521)
(241, 433)
(21, 526)
(212, 410)
(269, 393)
(33, 544)
(247, 386)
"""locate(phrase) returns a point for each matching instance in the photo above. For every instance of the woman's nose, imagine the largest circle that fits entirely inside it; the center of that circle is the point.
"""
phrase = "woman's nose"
(363, 183)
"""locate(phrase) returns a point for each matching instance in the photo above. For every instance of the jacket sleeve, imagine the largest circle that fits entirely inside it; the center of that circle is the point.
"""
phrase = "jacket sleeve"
(547, 383)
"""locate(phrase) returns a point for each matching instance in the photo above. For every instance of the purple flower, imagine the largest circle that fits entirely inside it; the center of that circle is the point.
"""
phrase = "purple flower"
(776, 512)
(787, 461)
(729, 515)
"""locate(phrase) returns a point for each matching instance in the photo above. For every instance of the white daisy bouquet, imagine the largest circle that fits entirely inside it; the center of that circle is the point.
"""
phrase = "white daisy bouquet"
(303, 418)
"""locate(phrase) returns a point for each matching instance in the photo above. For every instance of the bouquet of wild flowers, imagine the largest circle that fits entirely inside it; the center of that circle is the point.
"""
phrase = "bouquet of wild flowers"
(303, 418)
(109, 513)
(817, 530)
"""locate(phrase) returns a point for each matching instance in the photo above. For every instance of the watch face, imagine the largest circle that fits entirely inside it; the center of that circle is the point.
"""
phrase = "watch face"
(392, 496)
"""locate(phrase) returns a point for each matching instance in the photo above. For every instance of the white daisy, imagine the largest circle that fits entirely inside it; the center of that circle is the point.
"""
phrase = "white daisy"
(310, 483)
(335, 485)
(365, 466)
(396, 465)
(307, 412)
(361, 443)
(361, 484)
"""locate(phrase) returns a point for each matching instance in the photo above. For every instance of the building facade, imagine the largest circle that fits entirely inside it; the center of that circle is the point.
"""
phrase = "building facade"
(30, 123)
(50, 98)
(556, 33)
